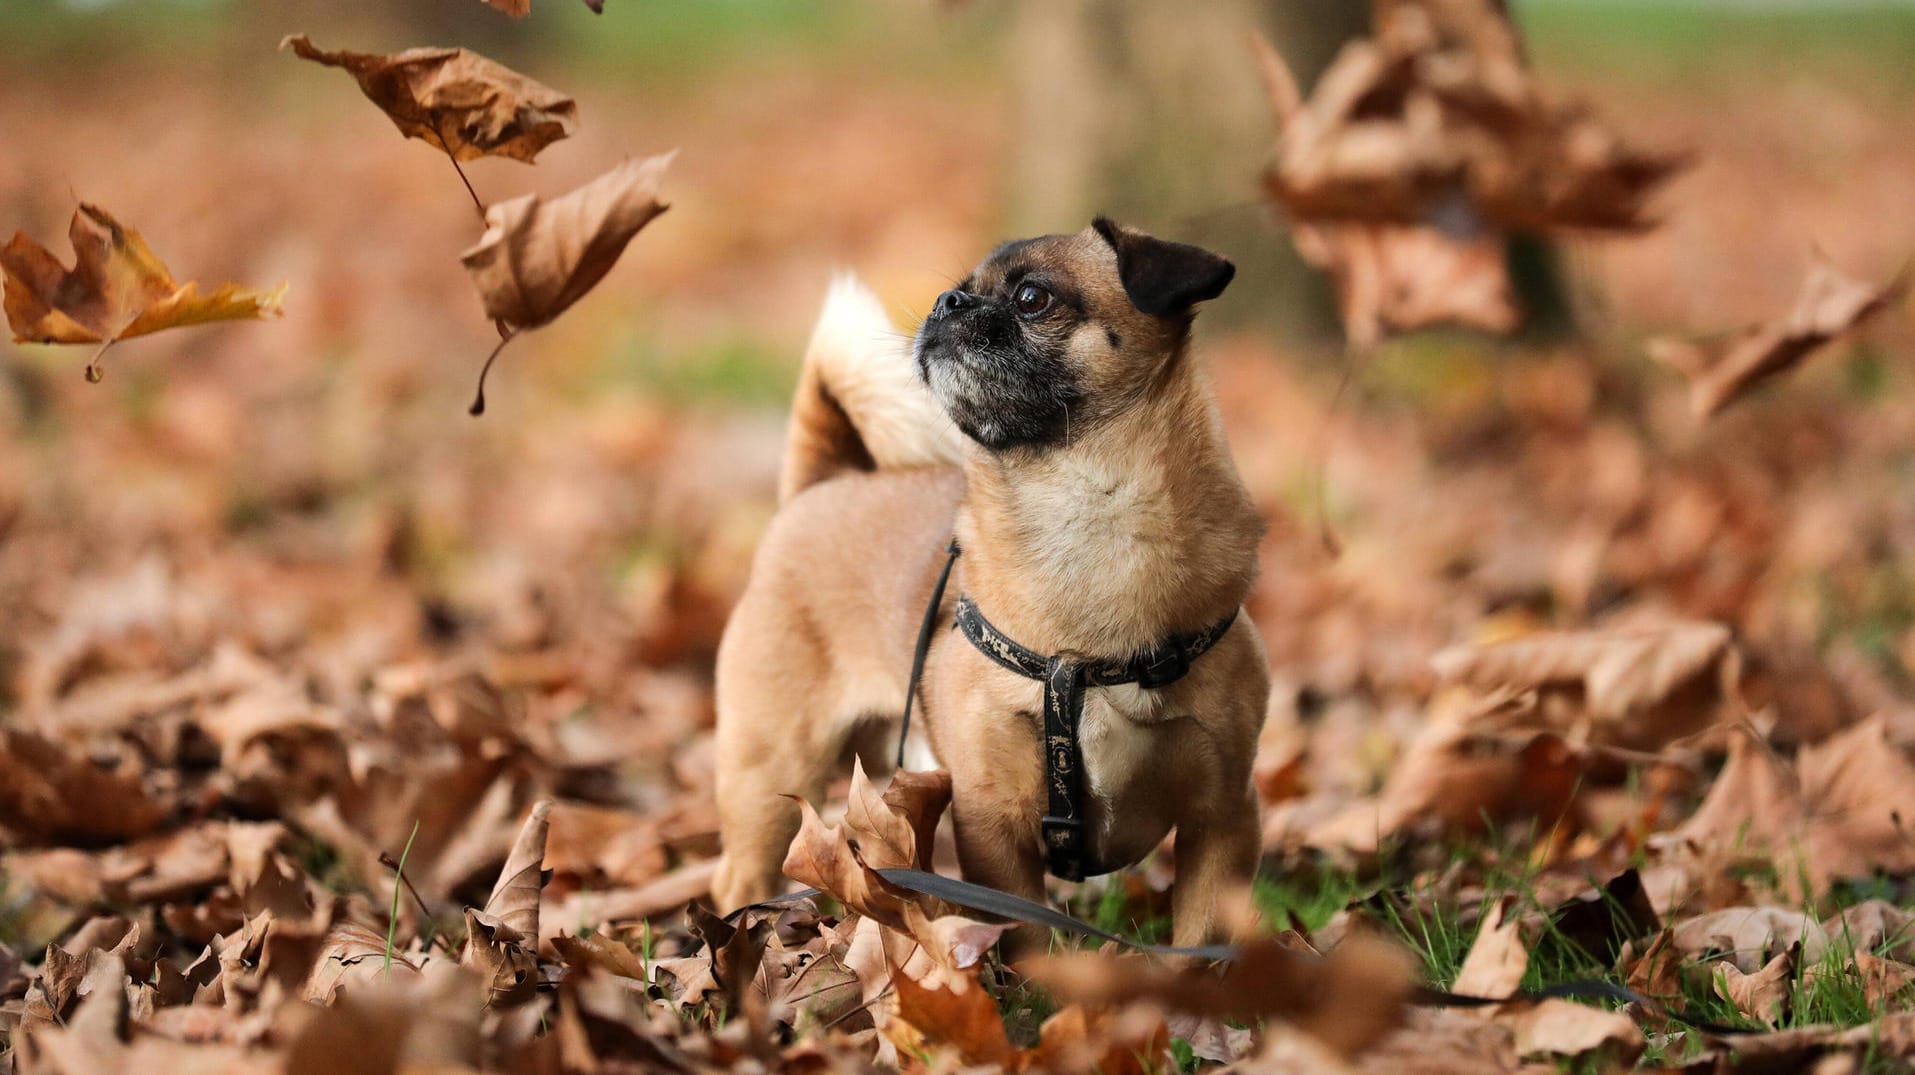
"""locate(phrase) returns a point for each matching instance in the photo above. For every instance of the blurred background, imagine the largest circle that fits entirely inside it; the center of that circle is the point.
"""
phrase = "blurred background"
(312, 493)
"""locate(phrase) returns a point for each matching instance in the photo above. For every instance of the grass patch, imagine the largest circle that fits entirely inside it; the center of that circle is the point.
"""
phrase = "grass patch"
(1662, 41)
(730, 372)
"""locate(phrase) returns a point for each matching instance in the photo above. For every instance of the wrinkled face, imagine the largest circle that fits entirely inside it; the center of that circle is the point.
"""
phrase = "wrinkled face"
(1053, 335)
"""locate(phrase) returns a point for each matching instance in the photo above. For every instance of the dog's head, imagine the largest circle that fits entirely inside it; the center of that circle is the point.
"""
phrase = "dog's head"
(1054, 335)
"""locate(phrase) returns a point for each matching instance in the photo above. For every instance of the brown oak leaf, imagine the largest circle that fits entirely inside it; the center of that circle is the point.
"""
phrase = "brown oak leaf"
(454, 99)
(538, 257)
(117, 289)
(515, 896)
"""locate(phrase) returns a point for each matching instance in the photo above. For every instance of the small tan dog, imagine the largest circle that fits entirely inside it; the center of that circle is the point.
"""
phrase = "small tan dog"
(1103, 689)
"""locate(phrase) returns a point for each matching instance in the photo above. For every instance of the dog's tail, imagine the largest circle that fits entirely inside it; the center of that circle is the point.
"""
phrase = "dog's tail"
(860, 405)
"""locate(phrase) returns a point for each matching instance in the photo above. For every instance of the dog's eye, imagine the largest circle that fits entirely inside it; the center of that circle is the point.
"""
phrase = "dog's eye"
(1031, 300)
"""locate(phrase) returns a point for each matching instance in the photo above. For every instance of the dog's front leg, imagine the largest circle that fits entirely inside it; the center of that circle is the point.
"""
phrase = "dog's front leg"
(997, 847)
(1217, 847)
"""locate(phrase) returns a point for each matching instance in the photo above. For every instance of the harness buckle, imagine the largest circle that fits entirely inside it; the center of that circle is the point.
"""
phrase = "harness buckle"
(1162, 668)
(1060, 832)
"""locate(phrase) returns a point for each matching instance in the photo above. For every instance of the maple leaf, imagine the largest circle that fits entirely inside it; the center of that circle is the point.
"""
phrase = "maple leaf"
(1724, 369)
(454, 99)
(538, 257)
(117, 289)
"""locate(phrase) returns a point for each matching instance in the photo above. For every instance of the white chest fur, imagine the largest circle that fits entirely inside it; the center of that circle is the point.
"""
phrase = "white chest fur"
(1118, 735)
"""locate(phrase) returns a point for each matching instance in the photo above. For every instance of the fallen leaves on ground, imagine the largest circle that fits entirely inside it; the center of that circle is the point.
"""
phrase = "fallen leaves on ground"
(1829, 306)
(455, 100)
(117, 289)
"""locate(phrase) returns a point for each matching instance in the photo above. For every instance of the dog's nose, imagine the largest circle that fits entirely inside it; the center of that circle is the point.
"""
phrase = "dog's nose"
(951, 302)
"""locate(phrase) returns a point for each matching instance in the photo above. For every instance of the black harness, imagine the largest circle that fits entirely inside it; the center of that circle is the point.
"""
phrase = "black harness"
(1065, 677)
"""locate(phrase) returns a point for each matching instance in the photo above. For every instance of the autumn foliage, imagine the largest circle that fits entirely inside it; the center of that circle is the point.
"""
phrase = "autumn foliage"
(336, 734)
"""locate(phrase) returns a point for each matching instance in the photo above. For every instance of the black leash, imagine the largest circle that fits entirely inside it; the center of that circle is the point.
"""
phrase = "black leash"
(1065, 677)
(980, 899)
(924, 644)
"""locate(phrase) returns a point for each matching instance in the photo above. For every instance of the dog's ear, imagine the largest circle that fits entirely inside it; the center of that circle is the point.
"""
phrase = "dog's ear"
(1162, 277)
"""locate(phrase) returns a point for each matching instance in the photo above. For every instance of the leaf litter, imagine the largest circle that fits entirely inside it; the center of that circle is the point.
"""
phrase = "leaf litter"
(1563, 711)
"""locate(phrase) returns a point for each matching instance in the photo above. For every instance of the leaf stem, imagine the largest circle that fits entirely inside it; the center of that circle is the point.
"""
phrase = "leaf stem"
(476, 203)
(478, 400)
(93, 371)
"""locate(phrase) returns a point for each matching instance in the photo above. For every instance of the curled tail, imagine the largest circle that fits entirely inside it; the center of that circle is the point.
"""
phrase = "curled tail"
(860, 405)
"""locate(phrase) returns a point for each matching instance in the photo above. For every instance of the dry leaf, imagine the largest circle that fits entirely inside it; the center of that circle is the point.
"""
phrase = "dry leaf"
(1748, 936)
(497, 952)
(1556, 1027)
(515, 897)
(1829, 306)
(1407, 123)
(456, 100)
(1838, 812)
(538, 257)
(1638, 686)
(1874, 926)
(1392, 278)
(1762, 995)
(49, 793)
(116, 290)
(1499, 957)
(1347, 999)
(1081, 1041)
(883, 831)
(956, 1011)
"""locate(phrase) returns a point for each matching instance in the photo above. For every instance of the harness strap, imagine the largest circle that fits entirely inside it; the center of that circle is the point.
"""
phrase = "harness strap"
(1062, 826)
(923, 647)
(1065, 676)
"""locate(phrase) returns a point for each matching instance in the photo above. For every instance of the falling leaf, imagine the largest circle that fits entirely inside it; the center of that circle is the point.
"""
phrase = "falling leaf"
(117, 289)
(538, 257)
(458, 101)
(1406, 122)
(1392, 278)
(1829, 306)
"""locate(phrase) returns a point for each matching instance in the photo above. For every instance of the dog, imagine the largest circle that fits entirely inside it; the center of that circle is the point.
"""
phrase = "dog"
(1050, 415)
